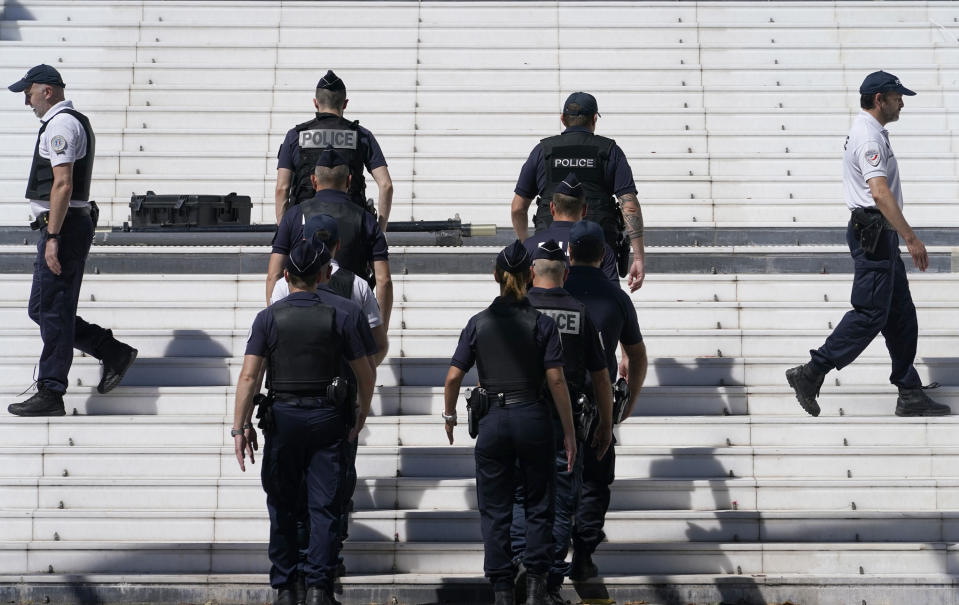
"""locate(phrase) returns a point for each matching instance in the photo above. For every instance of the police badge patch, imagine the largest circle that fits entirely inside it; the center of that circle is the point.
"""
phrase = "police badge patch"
(871, 156)
(58, 144)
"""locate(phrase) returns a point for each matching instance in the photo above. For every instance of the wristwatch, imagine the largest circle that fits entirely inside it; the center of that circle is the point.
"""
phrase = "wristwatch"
(235, 432)
(55, 236)
(450, 418)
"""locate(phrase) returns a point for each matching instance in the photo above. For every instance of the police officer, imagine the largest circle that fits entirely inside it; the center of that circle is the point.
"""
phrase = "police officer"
(59, 193)
(601, 167)
(517, 350)
(880, 291)
(362, 243)
(567, 207)
(615, 317)
(309, 341)
(304, 143)
(586, 375)
(322, 228)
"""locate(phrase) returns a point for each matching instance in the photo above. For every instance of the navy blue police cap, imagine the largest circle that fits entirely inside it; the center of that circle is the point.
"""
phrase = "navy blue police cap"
(330, 82)
(570, 186)
(330, 158)
(514, 258)
(881, 81)
(585, 236)
(549, 250)
(322, 228)
(587, 104)
(307, 258)
(39, 74)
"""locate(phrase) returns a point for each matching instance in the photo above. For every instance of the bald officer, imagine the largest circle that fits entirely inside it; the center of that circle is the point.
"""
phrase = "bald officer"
(880, 291)
(304, 143)
(59, 193)
(601, 166)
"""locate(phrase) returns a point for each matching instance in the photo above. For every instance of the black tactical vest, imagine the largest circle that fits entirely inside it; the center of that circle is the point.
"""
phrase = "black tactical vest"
(569, 315)
(342, 283)
(313, 137)
(508, 359)
(40, 182)
(583, 153)
(354, 252)
(307, 353)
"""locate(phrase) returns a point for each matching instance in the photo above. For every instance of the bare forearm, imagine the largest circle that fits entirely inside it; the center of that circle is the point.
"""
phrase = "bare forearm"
(519, 215)
(889, 208)
(59, 202)
(365, 373)
(638, 363)
(384, 296)
(382, 344)
(451, 389)
(556, 380)
(635, 228)
(603, 391)
(245, 389)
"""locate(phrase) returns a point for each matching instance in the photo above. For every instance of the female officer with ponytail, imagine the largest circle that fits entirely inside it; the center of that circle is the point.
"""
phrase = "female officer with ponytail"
(517, 351)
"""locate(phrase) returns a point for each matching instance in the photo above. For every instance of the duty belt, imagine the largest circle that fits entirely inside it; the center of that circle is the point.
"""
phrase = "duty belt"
(511, 397)
(44, 218)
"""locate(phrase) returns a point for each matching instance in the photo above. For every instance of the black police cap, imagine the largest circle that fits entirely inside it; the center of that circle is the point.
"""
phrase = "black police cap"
(38, 74)
(570, 186)
(585, 101)
(330, 82)
(585, 237)
(307, 258)
(881, 81)
(549, 250)
(514, 258)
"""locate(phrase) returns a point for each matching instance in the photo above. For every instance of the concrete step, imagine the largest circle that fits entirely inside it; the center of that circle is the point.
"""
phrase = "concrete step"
(417, 430)
(421, 461)
(451, 558)
(418, 526)
(385, 493)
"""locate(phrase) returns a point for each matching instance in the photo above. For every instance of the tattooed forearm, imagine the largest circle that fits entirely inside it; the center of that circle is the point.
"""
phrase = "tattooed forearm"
(633, 215)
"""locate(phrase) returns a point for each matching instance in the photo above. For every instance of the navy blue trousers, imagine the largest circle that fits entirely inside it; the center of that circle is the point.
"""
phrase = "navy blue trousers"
(343, 525)
(307, 446)
(568, 485)
(881, 304)
(598, 475)
(53, 303)
(515, 444)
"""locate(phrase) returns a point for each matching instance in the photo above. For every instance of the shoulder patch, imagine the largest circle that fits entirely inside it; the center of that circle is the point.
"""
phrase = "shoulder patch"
(871, 155)
(58, 144)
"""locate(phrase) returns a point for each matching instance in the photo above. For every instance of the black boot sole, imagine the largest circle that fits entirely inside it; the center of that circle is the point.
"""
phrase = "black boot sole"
(106, 386)
(907, 413)
(810, 407)
(36, 413)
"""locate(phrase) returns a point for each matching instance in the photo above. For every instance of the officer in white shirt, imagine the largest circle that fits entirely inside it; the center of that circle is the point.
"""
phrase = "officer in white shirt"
(58, 190)
(880, 291)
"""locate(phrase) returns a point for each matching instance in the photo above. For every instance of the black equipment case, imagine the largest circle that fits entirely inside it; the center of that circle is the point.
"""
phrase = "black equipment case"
(152, 211)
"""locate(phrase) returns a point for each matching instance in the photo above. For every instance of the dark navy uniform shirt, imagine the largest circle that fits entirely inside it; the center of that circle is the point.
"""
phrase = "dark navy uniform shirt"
(532, 178)
(350, 323)
(593, 355)
(289, 154)
(290, 229)
(612, 310)
(547, 337)
(559, 231)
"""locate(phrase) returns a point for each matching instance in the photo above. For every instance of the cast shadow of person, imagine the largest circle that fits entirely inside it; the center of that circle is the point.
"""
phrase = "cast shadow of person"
(12, 11)
(191, 358)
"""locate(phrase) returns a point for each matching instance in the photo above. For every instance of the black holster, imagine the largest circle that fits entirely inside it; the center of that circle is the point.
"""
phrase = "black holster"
(869, 224)
(338, 392)
(584, 417)
(477, 406)
(620, 400)
(264, 411)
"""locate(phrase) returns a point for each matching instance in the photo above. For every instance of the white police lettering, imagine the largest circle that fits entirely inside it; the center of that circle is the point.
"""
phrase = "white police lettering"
(574, 163)
(567, 322)
(561, 244)
(321, 139)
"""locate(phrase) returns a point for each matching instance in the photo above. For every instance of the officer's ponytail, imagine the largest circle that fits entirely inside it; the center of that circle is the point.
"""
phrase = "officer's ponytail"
(513, 285)
(512, 270)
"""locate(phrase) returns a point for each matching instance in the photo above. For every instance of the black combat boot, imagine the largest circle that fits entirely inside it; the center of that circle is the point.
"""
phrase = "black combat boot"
(554, 596)
(503, 597)
(806, 381)
(317, 596)
(299, 589)
(582, 567)
(117, 357)
(915, 402)
(43, 403)
(284, 596)
(536, 589)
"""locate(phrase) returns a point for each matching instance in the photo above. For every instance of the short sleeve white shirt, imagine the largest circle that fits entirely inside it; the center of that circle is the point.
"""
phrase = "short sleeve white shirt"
(362, 296)
(62, 142)
(868, 154)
